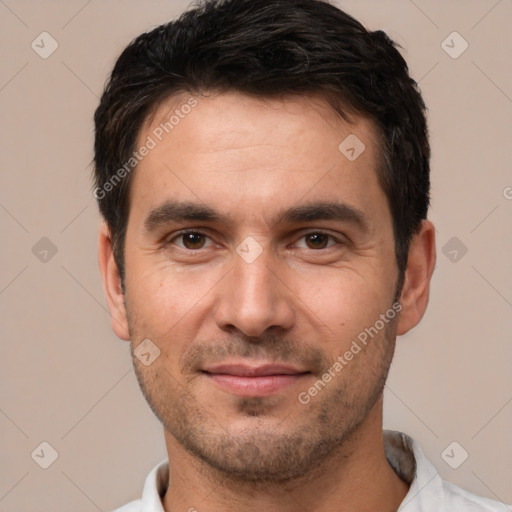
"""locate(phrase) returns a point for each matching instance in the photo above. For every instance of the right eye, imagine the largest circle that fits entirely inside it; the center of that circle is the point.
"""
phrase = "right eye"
(189, 240)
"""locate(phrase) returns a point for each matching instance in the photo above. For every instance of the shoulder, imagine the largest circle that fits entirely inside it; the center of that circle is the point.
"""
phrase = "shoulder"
(154, 489)
(458, 499)
(428, 491)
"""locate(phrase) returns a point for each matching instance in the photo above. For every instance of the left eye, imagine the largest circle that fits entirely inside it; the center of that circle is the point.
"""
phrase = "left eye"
(318, 240)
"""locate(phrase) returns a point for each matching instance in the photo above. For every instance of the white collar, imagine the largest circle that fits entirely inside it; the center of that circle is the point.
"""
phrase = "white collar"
(427, 491)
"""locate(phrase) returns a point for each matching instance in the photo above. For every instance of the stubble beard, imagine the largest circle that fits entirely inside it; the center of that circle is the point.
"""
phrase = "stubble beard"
(290, 450)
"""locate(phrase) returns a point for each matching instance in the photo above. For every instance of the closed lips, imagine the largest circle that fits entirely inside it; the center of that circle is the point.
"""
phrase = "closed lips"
(253, 371)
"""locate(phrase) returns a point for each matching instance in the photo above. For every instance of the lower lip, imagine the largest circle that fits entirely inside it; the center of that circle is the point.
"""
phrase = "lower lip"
(262, 385)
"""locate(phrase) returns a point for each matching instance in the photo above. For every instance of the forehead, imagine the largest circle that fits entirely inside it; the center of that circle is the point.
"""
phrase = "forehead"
(232, 149)
(223, 119)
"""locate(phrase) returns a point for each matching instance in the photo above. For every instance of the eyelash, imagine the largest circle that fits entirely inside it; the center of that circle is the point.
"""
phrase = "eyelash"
(180, 234)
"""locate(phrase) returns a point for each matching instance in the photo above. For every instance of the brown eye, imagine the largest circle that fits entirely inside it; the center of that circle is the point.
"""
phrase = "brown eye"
(190, 244)
(317, 240)
(193, 240)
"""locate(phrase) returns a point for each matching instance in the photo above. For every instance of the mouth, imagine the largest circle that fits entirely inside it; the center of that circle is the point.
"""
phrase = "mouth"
(251, 381)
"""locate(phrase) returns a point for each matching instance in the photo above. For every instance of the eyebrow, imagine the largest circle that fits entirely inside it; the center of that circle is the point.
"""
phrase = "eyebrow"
(172, 211)
(175, 211)
(330, 210)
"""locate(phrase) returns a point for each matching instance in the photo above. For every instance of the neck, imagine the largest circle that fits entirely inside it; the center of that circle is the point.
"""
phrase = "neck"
(356, 476)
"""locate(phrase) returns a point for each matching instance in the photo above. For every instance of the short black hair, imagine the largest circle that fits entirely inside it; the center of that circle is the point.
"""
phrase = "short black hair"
(268, 48)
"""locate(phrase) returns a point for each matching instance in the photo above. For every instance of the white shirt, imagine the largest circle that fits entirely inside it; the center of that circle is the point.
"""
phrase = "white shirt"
(427, 493)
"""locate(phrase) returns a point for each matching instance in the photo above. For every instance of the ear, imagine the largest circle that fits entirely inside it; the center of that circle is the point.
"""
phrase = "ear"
(420, 266)
(112, 284)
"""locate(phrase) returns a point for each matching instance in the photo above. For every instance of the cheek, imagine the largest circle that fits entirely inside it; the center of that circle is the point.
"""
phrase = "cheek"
(342, 302)
(166, 300)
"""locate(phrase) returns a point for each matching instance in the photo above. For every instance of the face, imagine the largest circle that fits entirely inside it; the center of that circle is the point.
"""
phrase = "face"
(258, 255)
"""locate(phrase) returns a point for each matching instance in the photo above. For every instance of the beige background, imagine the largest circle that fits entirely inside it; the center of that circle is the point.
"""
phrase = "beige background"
(67, 380)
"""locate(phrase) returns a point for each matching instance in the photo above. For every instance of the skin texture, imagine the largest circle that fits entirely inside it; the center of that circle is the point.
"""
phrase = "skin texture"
(302, 301)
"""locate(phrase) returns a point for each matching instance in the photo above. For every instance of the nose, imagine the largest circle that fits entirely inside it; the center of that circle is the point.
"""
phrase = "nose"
(253, 298)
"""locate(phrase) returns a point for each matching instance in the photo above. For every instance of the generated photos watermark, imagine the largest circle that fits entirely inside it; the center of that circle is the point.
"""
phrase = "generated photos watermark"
(363, 338)
(151, 142)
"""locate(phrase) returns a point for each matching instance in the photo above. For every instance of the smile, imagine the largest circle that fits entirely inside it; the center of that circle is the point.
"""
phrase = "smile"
(253, 381)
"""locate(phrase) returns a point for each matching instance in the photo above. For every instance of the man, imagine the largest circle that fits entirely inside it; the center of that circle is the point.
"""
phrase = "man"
(263, 171)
